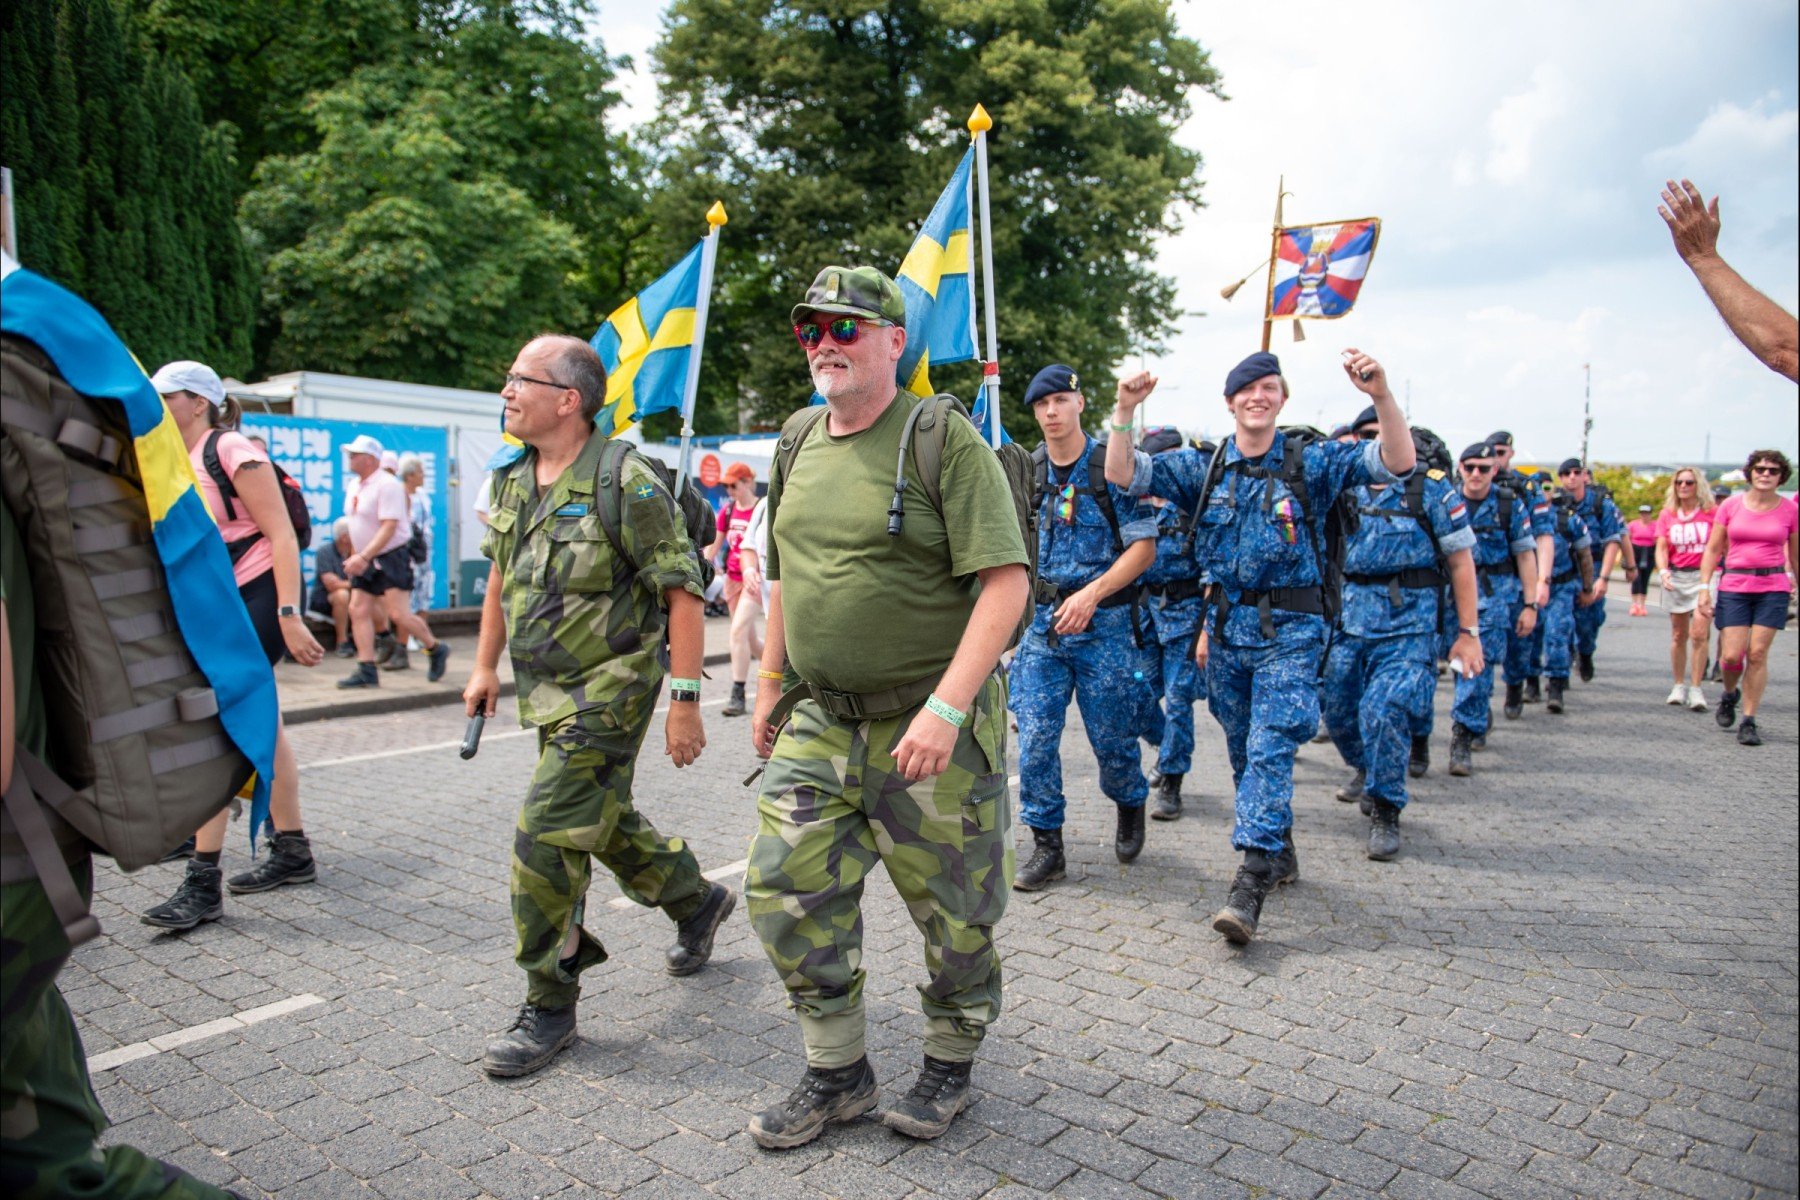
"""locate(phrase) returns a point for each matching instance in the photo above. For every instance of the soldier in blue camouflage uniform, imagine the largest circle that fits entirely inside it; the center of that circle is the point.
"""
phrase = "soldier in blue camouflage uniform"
(1406, 543)
(1090, 636)
(1262, 545)
(1174, 585)
(1525, 652)
(1506, 562)
(1571, 582)
(1606, 527)
(585, 621)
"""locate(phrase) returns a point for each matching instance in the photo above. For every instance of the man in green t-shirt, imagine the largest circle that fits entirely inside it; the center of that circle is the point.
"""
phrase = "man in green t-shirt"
(897, 750)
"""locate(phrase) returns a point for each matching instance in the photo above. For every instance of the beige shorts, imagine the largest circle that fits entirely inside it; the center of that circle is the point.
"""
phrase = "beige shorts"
(1683, 592)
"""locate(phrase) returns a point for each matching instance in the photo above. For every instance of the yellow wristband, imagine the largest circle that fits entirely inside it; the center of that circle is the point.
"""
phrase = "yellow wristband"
(775, 675)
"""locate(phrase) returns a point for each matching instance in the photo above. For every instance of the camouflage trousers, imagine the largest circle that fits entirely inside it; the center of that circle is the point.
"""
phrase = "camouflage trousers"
(833, 803)
(49, 1116)
(1375, 691)
(579, 807)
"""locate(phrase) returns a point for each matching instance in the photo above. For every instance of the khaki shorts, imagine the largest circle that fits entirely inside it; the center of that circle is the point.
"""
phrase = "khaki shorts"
(1683, 592)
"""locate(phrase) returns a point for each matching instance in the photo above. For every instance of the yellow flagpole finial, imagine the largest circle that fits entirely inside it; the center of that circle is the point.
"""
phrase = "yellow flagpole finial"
(715, 216)
(979, 121)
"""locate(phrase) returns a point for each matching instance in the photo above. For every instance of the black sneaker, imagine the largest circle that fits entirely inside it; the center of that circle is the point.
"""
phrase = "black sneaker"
(185, 850)
(1747, 735)
(365, 677)
(537, 1036)
(439, 658)
(197, 899)
(289, 860)
(1353, 788)
(1238, 919)
(1419, 761)
(1046, 864)
(1584, 663)
(694, 936)
(1384, 830)
(1726, 713)
(1166, 802)
(824, 1096)
(940, 1092)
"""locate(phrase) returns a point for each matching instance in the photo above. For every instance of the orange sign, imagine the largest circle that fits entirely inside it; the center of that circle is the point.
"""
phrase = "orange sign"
(709, 471)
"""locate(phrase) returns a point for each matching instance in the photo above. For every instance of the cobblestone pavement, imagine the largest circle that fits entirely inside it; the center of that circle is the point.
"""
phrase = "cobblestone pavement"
(1580, 980)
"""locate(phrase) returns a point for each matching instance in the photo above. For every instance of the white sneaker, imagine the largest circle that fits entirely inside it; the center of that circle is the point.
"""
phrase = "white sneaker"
(1678, 694)
(1696, 699)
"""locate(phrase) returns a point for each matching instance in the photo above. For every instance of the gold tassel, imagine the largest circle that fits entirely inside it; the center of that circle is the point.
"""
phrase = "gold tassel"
(1231, 289)
(1299, 333)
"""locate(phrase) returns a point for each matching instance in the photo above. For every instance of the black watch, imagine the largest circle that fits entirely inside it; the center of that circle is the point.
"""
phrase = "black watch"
(287, 610)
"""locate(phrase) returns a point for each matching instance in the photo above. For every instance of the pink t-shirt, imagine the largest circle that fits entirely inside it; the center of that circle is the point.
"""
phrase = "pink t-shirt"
(234, 451)
(378, 498)
(1758, 539)
(1686, 535)
(1642, 531)
(733, 522)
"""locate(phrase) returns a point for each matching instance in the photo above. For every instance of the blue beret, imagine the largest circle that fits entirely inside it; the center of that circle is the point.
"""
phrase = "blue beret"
(1052, 379)
(1478, 450)
(1365, 417)
(1499, 437)
(1250, 370)
(1159, 438)
(1569, 464)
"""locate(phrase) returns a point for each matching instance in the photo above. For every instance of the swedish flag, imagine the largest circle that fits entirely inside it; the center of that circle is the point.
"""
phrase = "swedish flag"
(645, 345)
(938, 286)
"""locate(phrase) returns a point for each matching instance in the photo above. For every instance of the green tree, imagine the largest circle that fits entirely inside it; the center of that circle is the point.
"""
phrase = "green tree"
(830, 127)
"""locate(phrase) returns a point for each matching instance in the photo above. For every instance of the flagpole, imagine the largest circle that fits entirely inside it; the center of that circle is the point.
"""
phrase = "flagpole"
(715, 217)
(979, 124)
(1274, 253)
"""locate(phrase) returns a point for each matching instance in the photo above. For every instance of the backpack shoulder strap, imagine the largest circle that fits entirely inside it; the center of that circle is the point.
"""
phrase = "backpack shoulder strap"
(1293, 471)
(209, 456)
(1103, 495)
(1215, 467)
(933, 416)
(609, 495)
(794, 432)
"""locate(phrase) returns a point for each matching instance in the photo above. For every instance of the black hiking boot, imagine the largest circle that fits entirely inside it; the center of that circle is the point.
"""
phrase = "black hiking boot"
(734, 707)
(1584, 663)
(1384, 830)
(1419, 761)
(1046, 864)
(197, 899)
(940, 1092)
(1167, 805)
(185, 850)
(824, 1095)
(694, 936)
(1553, 694)
(365, 677)
(1515, 701)
(1128, 841)
(1461, 742)
(1284, 865)
(1533, 692)
(1726, 714)
(537, 1035)
(1747, 735)
(1353, 787)
(1478, 741)
(438, 657)
(1237, 920)
(384, 647)
(397, 661)
(290, 860)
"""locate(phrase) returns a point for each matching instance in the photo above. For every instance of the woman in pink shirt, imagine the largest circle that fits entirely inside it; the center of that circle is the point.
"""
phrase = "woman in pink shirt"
(1757, 540)
(265, 557)
(742, 597)
(1642, 535)
(1682, 531)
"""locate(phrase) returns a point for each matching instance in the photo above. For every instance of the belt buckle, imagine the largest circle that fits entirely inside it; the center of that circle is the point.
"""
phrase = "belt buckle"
(849, 702)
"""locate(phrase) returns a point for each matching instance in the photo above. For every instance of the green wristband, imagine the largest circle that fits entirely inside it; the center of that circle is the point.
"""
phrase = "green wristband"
(938, 708)
(683, 685)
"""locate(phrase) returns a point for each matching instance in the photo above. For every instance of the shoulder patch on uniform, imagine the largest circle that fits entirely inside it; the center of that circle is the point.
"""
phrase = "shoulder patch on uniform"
(1434, 473)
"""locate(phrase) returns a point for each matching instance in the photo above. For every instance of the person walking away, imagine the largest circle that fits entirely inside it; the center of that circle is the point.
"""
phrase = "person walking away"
(1089, 635)
(890, 744)
(586, 620)
(1641, 533)
(1683, 529)
(743, 602)
(380, 571)
(1260, 510)
(1751, 556)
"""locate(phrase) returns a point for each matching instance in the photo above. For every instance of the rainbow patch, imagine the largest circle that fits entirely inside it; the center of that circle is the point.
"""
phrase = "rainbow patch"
(1287, 522)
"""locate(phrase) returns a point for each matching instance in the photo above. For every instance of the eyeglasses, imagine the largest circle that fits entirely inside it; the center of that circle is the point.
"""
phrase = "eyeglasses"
(1367, 435)
(843, 330)
(1765, 469)
(513, 380)
(1478, 468)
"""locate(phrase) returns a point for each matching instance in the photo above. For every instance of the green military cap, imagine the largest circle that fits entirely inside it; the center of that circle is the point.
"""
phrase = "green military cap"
(855, 292)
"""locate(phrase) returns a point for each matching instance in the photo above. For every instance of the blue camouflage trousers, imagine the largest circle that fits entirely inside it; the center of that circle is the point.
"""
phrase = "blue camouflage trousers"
(1523, 652)
(1267, 700)
(1587, 626)
(1103, 669)
(1376, 690)
(1474, 697)
(1556, 628)
(1181, 683)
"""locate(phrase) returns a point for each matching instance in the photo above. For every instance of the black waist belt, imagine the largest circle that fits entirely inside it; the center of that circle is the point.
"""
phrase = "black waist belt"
(1051, 594)
(1413, 578)
(1505, 566)
(1296, 600)
(1730, 570)
(854, 706)
(1175, 591)
(1565, 577)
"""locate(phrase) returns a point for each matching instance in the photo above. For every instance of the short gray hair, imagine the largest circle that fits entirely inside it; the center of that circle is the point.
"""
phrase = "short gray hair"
(340, 526)
(410, 463)
(578, 365)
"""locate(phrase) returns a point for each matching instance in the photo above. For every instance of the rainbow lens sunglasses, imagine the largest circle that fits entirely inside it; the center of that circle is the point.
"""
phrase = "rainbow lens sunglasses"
(843, 330)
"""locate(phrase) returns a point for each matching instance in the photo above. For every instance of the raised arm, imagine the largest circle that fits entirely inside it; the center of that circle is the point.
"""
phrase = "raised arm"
(1767, 330)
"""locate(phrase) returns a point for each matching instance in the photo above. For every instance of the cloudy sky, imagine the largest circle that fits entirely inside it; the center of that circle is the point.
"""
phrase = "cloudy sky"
(1515, 160)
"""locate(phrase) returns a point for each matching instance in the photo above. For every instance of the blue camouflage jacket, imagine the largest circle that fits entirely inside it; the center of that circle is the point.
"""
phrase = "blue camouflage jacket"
(1075, 542)
(1388, 540)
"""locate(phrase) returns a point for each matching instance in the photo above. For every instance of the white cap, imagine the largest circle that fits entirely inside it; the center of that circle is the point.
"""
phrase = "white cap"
(189, 376)
(362, 443)
(390, 461)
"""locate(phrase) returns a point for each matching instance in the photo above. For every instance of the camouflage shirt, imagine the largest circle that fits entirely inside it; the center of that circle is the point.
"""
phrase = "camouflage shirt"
(584, 626)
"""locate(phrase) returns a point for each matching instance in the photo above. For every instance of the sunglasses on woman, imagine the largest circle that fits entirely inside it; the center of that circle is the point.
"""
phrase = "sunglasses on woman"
(1684, 483)
(1765, 469)
(843, 330)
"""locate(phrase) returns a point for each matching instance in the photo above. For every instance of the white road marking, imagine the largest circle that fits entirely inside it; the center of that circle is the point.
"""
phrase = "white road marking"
(194, 1033)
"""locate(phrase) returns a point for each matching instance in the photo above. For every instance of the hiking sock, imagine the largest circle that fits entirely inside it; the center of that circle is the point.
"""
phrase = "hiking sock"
(209, 857)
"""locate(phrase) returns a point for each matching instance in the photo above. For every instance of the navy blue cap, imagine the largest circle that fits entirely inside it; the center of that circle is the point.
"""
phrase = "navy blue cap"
(1338, 431)
(1052, 379)
(1478, 450)
(1499, 437)
(1569, 464)
(1365, 417)
(1250, 370)
(1159, 438)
